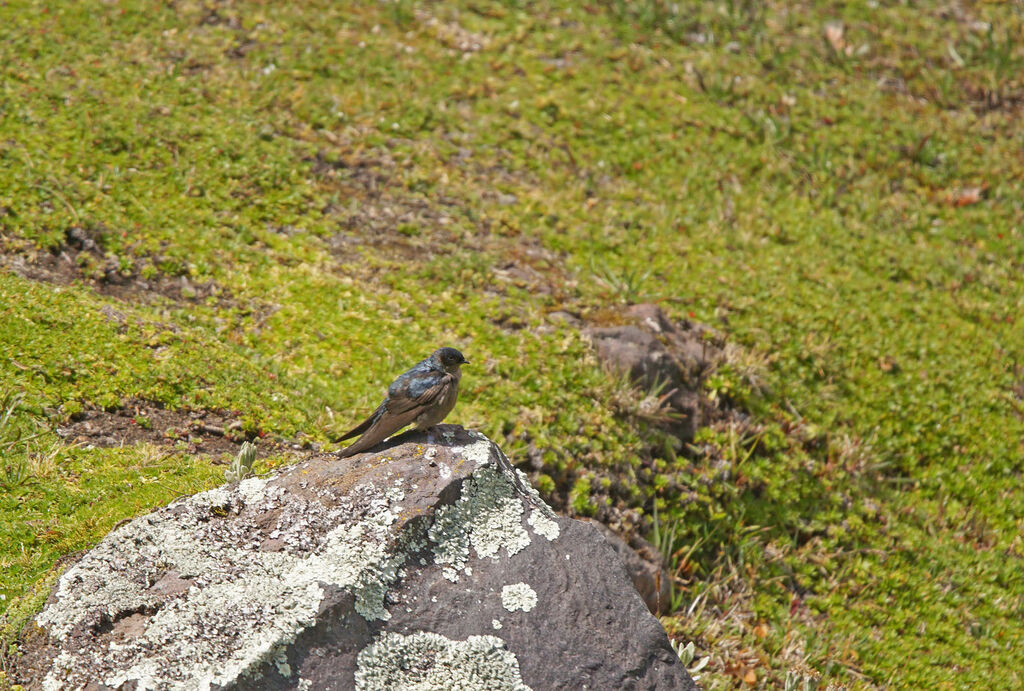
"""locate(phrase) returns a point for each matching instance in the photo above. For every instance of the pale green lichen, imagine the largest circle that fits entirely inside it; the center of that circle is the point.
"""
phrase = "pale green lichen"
(542, 525)
(281, 662)
(487, 517)
(193, 640)
(518, 596)
(425, 661)
(480, 452)
(488, 514)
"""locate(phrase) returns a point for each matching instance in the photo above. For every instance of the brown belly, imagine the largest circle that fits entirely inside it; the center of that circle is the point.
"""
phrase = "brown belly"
(438, 413)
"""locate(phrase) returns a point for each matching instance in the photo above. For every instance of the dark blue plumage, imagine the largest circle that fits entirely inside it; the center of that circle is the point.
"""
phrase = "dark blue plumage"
(423, 396)
(416, 381)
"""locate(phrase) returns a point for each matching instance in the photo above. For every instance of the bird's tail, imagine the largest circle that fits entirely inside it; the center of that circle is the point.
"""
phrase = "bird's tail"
(362, 426)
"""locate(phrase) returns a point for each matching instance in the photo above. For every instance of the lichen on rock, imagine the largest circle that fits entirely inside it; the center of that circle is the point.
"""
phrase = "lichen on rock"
(543, 525)
(518, 596)
(487, 516)
(238, 605)
(423, 661)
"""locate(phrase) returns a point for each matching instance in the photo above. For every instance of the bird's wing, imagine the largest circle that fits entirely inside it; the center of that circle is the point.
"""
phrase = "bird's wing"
(417, 391)
(382, 428)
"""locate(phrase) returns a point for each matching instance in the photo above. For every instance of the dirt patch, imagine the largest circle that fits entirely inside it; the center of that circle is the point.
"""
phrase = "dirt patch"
(528, 265)
(399, 224)
(984, 100)
(381, 213)
(213, 432)
(80, 258)
(667, 363)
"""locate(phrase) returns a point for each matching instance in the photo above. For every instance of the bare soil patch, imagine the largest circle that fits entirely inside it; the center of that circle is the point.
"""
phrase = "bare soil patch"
(212, 432)
(381, 214)
(80, 258)
(402, 225)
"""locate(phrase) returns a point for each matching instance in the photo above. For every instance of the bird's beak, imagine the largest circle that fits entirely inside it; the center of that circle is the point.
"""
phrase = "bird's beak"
(465, 361)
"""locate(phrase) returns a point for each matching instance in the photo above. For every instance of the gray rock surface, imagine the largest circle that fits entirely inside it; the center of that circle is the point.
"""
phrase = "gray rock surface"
(420, 566)
(646, 569)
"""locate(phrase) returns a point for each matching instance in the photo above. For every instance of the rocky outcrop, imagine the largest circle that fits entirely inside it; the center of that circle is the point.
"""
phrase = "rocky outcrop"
(666, 358)
(423, 565)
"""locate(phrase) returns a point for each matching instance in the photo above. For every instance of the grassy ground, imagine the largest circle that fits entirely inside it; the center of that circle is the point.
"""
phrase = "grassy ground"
(340, 189)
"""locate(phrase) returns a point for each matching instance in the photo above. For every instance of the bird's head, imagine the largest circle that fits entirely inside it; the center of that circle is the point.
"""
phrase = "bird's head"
(449, 359)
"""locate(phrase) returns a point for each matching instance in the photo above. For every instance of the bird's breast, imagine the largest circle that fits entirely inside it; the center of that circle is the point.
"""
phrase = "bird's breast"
(440, 408)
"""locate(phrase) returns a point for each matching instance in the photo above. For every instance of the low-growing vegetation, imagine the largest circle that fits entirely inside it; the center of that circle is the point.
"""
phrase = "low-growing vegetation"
(252, 216)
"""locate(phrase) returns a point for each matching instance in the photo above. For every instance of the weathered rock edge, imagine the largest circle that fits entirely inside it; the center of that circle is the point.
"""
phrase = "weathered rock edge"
(420, 566)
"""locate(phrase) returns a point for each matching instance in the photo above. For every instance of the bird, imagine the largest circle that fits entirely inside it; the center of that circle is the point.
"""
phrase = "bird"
(423, 396)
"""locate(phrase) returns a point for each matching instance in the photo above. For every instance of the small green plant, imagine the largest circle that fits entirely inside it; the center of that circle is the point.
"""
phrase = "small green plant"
(686, 654)
(14, 472)
(663, 538)
(545, 484)
(580, 499)
(8, 405)
(624, 284)
(72, 409)
(651, 406)
(14, 468)
(801, 681)
(241, 467)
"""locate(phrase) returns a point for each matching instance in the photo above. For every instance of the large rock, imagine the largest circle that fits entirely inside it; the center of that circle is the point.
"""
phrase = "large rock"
(421, 566)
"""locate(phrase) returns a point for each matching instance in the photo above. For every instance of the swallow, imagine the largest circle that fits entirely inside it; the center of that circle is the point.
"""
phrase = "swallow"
(422, 396)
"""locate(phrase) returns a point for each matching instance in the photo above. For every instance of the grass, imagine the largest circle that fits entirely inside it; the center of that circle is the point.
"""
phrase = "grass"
(367, 181)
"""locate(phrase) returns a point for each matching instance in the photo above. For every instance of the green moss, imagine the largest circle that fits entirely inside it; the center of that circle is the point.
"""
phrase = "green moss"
(580, 498)
(544, 484)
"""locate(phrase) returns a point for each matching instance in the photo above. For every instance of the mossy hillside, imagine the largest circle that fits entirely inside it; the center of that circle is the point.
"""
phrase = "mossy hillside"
(65, 354)
(852, 215)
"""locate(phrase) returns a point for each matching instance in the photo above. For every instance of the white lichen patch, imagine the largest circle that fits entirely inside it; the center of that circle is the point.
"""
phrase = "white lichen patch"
(217, 497)
(542, 525)
(241, 606)
(424, 661)
(518, 596)
(479, 452)
(281, 662)
(63, 661)
(487, 516)
(495, 624)
(251, 489)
